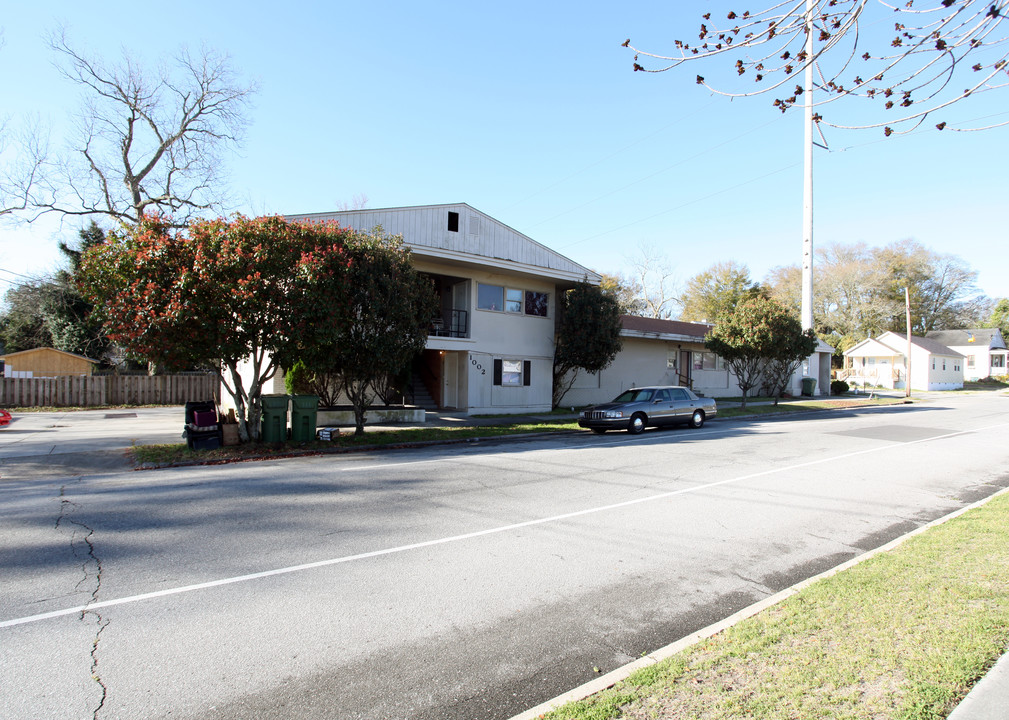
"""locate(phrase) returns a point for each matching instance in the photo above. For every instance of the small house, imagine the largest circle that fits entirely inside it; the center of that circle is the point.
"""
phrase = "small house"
(984, 350)
(882, 362)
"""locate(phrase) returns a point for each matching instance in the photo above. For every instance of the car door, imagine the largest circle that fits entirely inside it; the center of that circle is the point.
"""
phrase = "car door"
(683, 405)
(663, 410)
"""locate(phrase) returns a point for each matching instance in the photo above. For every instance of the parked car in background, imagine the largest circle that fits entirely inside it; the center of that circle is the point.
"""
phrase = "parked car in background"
(635, 409)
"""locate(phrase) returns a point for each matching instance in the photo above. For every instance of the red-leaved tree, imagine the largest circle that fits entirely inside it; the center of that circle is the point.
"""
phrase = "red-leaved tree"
(241, 296)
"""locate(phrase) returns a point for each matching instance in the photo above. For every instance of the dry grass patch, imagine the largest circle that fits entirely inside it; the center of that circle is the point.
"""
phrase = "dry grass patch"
(902, 636)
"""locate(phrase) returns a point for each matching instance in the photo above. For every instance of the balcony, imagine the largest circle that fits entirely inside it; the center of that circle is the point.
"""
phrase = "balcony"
(453, 323)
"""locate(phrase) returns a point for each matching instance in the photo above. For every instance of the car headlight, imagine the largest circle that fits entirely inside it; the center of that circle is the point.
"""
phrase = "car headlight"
(614, 414)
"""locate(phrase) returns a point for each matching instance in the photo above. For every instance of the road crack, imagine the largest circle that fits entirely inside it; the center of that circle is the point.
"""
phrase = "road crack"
(83, 549)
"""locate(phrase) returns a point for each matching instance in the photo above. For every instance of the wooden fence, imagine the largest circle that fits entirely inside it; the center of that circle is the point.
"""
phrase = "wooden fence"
(94, 390)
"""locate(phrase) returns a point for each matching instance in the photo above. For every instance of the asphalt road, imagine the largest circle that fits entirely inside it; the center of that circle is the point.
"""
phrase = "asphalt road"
(451, 582)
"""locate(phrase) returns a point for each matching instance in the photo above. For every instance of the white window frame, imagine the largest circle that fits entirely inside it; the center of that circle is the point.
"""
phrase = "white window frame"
(511, 372)
(509, 301)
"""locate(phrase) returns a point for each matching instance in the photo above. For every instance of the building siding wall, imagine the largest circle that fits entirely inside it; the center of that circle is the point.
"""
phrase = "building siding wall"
(46, 362)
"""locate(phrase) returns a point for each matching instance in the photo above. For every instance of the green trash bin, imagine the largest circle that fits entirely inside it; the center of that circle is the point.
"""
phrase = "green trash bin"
(304, 417)
(274, 418)
(808, 386)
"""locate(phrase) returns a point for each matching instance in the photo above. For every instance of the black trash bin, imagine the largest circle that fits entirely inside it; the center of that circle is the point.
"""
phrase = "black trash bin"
(808, 386)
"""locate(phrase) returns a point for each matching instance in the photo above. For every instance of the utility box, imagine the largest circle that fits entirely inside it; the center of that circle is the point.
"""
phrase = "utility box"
(274, 429)
(304, 417)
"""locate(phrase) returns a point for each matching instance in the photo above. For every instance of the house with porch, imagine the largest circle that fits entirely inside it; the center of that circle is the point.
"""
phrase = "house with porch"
(671, 352)
(984, 350)
(490, 350)
(882, 362)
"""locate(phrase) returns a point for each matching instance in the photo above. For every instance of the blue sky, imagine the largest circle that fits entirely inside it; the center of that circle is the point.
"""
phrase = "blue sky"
(531, 113)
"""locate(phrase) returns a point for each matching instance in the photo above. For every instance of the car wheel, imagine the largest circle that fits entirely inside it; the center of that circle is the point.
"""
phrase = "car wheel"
(697, 419)
(598, 431)
(637, 424)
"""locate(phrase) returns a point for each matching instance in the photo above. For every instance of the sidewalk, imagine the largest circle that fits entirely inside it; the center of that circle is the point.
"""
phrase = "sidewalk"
(989, 700)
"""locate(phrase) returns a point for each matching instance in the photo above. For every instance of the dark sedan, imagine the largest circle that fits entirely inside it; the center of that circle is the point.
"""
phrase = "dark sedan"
(635, 409)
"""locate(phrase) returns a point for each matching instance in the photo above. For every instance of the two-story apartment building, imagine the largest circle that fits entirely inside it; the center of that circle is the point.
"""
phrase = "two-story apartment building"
(491, 349)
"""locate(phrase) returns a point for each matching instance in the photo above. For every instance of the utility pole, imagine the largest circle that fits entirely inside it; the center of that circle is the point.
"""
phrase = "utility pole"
(807, 185)
(907, 363)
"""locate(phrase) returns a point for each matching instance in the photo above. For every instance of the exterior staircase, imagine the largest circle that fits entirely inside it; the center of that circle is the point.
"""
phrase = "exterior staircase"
(421, 397)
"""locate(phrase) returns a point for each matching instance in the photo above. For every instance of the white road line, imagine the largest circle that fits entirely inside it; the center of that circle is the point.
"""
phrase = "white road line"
(467, 536)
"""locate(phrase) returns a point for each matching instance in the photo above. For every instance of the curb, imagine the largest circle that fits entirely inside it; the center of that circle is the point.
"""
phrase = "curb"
(489, 438)
(613, 677)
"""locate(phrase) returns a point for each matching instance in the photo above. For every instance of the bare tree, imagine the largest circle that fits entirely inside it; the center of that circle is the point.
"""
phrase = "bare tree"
(22, 153)
(911, 74)
(148, 141)
(626, 291)
(653, 272)
(358, 202)
(820, 41)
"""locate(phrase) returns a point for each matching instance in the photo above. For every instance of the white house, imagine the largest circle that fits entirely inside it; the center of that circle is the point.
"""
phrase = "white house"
(984, 350)
(491, 350)
(881, 362)
(670, 352)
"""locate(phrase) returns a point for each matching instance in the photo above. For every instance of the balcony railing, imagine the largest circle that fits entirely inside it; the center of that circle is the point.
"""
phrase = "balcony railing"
(455, 323)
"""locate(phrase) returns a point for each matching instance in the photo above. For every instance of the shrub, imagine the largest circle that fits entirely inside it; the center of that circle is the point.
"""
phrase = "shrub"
(838, 387)
(298, 380)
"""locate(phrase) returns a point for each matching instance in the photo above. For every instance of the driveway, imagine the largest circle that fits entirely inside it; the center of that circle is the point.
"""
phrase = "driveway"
(47, 444)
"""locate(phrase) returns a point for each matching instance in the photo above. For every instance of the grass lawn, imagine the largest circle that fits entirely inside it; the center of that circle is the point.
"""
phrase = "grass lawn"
(160, 455)
(902, 636)
(178, 453)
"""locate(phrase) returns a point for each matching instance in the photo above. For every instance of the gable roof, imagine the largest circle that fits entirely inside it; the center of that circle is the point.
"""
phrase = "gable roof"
(634, 326)
(896, 343)
(478, 239)
(924, 343)
(872, 347)
(990, 338)
(20, 353)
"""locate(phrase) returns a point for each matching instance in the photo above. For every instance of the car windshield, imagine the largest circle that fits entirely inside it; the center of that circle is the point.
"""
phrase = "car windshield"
(633, 396)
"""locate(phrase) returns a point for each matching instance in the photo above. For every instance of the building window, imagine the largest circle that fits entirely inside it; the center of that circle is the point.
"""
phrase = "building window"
(512, 373)
(707, 361)
(944, 363)
(970, 361)
(453, 221)
(933, 363)
(490, 297)
(497, 297)
(998, 361)
(536, 303)
(513, 300)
